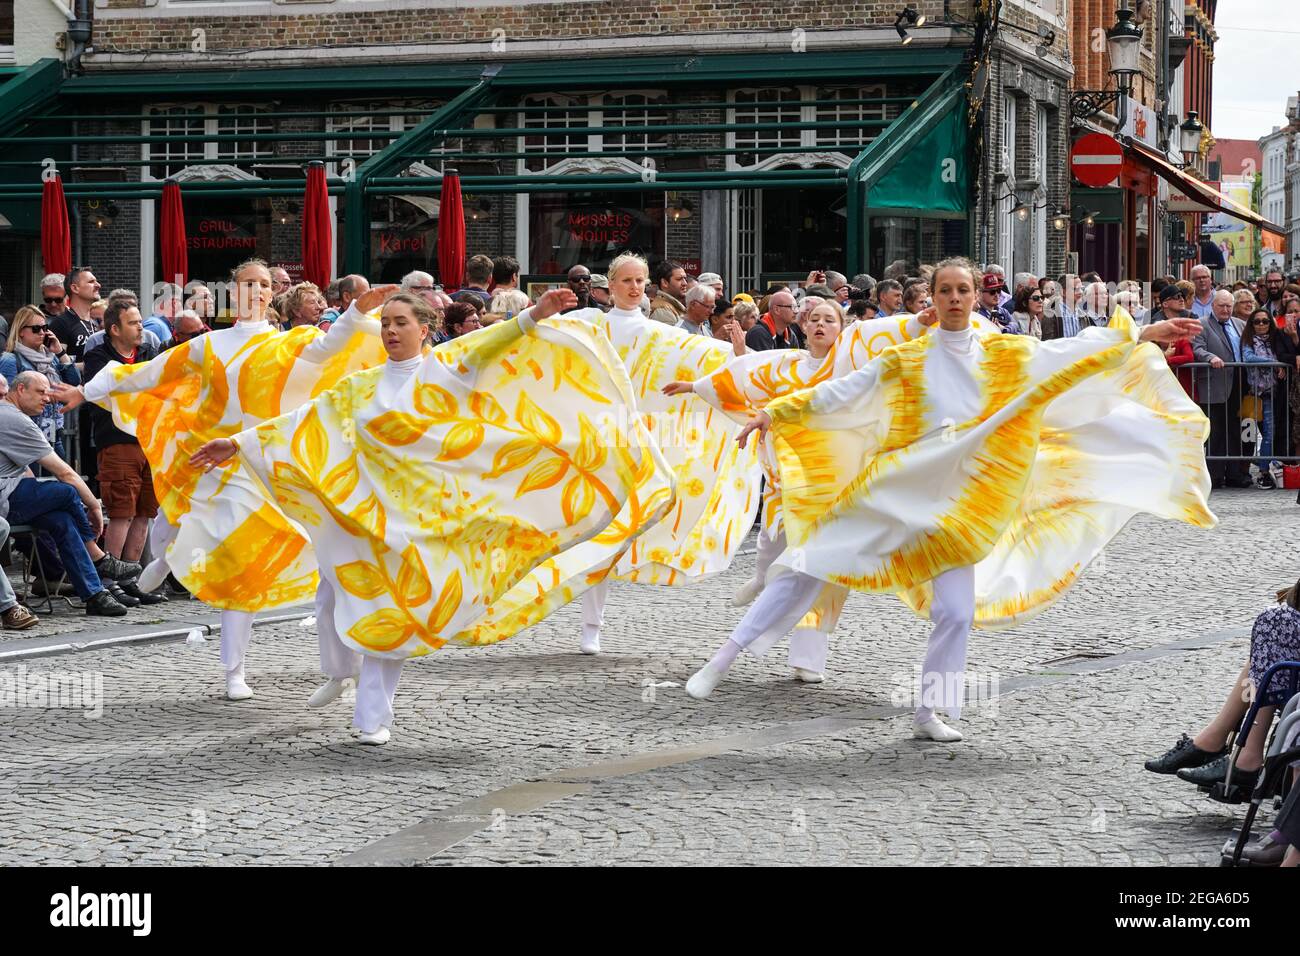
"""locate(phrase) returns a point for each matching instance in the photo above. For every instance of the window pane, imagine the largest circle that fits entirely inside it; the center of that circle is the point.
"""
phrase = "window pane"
(591, 228)
(550, 143)
(171, 155)
(893, 242)
(765, 106)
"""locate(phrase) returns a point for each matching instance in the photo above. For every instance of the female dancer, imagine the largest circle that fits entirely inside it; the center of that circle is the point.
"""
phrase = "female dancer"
(432, 485)
(947, 471)
(213, 386)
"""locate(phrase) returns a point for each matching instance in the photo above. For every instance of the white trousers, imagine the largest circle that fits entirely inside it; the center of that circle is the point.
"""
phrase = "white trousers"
(376, 676)
(375, 690)
(777, 608)
(337, 660)
(236, 632)
(952, 613)
(593, 608)
(161, 534)
(808, 647)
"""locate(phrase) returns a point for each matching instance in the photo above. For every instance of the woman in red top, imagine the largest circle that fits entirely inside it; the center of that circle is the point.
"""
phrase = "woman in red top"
(1178, 355)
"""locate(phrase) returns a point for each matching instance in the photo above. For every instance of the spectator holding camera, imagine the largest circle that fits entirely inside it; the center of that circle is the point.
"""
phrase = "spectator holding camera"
(31, 346)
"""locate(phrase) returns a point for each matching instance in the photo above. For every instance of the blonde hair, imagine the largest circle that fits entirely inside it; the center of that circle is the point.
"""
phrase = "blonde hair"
(99, 304)
(296, 296)
(425, 314)
(623, 259)
(246, 263)
(959, 262)
(508, 300)
(21, 318)
(834, 307)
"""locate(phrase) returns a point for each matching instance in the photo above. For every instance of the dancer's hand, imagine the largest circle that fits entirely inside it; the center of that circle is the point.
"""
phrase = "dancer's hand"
(928, 316)
(376, 297)
(553, 303)
(679, 388)
(1170, 330)
(737, 338)
(69, 396)
(213, 454)
(760, 423)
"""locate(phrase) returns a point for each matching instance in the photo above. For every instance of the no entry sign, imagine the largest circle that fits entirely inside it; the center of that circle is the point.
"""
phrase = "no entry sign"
(1096, 159)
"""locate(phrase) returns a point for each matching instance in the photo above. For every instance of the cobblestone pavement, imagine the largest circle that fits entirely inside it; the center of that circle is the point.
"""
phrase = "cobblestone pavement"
(531, 753)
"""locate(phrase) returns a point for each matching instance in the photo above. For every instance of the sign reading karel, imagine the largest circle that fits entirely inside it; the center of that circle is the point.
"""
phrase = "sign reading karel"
(392, 243)
(1096, 159)
(611, 227)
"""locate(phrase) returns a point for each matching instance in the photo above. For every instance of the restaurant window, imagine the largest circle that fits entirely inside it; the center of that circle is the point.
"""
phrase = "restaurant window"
(768, 105)
(906, 242)
(592, 228)
(846, 107)
(222, 232)
(360, 117)
(169, 156)
(551, 143)
(633, 109)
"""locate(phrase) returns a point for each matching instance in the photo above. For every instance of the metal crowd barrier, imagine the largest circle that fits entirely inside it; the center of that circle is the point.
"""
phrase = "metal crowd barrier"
(1252, 419)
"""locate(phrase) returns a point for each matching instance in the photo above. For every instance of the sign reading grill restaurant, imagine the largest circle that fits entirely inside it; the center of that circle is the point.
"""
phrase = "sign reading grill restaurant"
(220, 234)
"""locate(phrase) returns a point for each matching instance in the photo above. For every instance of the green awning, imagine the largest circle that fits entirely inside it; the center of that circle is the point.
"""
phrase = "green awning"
(935, 177)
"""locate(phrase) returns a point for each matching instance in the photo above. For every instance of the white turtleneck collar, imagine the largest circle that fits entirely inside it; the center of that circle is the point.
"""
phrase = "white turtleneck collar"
(958, 342)
(405, 366)
(614, 312)
(251, 326)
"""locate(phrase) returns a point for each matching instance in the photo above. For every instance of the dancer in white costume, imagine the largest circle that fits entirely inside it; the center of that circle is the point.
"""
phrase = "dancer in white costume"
(716, 489)
(946, 470)
(248, 372)
(405, 322)
(745, 385)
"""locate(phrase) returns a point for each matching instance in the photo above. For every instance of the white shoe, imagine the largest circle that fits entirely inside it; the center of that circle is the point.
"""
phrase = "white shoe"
(331, 691)
(746, 593)
(590, 642)
(377, 739)
(704, 681)
(807, 676)
(153, 576)
(935, 729)
(236, 687)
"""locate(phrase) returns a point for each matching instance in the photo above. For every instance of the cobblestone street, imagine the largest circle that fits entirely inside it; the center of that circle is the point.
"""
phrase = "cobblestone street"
(531, 753)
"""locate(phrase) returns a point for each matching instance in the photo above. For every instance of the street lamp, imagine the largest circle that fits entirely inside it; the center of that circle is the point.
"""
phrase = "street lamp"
(1124, 44)
(1060, 220)
(907, 16)
(1189, 137)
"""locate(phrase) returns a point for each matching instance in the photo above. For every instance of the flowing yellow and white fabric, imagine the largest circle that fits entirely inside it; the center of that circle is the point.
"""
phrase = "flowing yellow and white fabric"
(748, 383)
(501, 450)
(1074, 437)
(212, 387)
(717, 483)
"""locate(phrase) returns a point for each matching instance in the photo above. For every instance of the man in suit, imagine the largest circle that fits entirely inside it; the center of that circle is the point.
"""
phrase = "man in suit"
(1219, 388)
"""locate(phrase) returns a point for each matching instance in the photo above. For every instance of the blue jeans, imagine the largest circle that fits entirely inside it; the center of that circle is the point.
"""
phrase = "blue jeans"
(55, 507)
(1265, 445)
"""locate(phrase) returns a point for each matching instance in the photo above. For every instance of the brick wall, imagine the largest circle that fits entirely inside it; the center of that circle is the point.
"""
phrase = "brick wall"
(282, 28)
(113, 251)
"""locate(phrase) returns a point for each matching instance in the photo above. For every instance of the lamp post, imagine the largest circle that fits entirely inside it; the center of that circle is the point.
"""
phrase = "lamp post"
(1189, 138)
(1124, 47)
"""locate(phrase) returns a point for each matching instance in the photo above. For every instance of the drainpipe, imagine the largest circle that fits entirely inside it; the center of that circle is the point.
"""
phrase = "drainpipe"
(80, 26)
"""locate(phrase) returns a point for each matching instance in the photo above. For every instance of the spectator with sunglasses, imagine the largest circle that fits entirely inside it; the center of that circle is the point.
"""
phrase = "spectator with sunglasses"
(1027, 311)
(31, 346)
(189, 325)
(1262, 343)
(53, 295)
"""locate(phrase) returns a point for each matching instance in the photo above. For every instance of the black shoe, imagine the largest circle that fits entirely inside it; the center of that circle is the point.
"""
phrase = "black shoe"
(1180, 755)
(1265, 482)
(1214, 772)
(1240, 481)
(118, 570)
(104, 604)
(175, 588)
(132, 589)
(41, 588)
(120, 596)
(1240, 790)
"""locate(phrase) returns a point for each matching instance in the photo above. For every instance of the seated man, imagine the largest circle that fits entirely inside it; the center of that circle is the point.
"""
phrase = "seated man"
(65, 508)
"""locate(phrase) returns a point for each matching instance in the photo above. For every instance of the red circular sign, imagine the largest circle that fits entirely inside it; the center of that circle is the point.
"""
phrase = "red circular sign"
(1096, 159)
